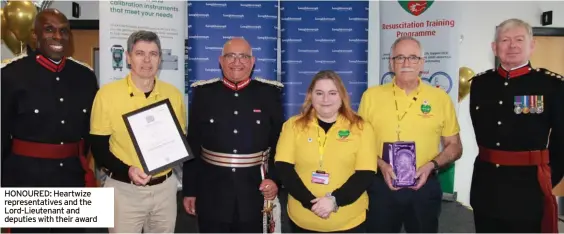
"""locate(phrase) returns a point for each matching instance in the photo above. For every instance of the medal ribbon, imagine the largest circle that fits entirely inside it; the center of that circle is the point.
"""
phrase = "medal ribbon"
(321, 147)
(526, 101)
(400, 117)
(533, 101)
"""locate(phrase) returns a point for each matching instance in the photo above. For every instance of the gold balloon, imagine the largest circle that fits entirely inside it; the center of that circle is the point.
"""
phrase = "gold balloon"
(12, 42)
(3, 19)
(465, 75)
(20, 17)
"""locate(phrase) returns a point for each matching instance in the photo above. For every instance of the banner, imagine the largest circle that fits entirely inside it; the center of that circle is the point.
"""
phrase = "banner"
(119, 19)
(318, 36)
(212, 24)
(435, 25)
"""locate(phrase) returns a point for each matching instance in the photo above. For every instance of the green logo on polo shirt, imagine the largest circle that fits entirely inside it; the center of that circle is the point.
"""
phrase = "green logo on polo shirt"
(425, 107)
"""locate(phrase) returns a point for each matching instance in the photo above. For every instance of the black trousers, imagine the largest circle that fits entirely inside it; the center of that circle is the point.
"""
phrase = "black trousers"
(358, 229)
(487, 224)
(212, 225)
(416, 210)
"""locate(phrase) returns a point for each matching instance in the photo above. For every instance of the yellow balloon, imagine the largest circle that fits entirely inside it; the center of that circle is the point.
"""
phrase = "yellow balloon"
(465, 75)
(20, 17)
(12, 42)
(4, 25)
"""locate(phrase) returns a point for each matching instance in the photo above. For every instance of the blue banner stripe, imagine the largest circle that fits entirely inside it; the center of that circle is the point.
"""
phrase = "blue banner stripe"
(323, 36)
(211, 24)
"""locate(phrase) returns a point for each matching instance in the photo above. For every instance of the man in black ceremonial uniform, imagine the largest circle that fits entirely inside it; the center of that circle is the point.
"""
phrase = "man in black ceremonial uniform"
(233, 127)
(46, 101)
(518, 119)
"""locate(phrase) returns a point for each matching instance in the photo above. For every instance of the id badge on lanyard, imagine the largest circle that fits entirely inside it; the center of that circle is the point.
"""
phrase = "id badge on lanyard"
(320, 176)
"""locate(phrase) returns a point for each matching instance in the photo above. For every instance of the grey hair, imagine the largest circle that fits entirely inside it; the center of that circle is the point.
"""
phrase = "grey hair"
(406, 38)
(513, 23)
(400, 39)
(143, 35)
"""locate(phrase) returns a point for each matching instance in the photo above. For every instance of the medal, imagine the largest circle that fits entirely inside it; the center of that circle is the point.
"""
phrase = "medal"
(525, 104)
(517, 103)
(517, 109)
(540, 104)
(533, 108)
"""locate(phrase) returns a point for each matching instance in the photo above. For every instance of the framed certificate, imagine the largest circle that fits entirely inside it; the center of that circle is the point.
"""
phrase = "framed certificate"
(157, 137)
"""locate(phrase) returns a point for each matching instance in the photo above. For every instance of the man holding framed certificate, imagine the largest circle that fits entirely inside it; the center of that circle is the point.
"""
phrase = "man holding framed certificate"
(138, 132)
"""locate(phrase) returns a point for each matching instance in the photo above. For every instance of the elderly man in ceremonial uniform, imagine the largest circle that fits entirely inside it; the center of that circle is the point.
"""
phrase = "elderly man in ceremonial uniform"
(518, 114)
(46, 101)
(233, 128)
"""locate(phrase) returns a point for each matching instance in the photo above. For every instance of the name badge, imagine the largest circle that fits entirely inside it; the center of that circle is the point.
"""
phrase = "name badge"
(320, 177)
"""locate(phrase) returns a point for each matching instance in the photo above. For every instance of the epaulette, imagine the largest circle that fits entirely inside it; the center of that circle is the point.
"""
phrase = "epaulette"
(81, 63)
(204, 82)
(270, 82)
(485, 72)
(550, 73)
(5, 62)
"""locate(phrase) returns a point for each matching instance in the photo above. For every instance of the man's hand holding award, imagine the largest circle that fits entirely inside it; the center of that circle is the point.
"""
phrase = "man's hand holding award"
(157, 138)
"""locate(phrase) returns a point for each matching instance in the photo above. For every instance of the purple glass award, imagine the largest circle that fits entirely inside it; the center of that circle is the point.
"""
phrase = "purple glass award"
(401, 156)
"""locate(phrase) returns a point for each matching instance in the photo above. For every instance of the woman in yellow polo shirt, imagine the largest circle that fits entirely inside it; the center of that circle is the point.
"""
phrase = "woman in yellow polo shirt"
(326, 158)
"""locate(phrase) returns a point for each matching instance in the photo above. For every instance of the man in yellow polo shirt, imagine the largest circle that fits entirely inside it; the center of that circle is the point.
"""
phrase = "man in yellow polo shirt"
(142, 202)
(407, 109)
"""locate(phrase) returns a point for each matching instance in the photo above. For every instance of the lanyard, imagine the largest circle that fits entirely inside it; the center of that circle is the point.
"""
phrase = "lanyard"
(321, 148)
(400, 117)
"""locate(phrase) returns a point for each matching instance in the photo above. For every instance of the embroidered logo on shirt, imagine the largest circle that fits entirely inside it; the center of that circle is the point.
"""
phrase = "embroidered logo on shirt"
(426, 109)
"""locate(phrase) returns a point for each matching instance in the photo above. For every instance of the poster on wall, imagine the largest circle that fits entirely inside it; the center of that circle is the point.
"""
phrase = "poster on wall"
(323, 35)
(119, 19)
(436, 25)
(212, 24)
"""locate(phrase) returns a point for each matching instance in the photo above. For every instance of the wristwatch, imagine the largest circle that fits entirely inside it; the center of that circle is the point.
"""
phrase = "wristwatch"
(334, 202)
(435, 165)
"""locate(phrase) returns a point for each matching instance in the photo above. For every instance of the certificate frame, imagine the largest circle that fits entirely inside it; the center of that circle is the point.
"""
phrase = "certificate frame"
(179, 134)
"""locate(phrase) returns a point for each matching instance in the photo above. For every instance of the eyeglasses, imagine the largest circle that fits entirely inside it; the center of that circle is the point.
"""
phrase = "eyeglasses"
(401, 59)
(243, 58)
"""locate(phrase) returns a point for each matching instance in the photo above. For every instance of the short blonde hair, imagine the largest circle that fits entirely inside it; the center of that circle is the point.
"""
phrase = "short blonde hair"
(513, 23)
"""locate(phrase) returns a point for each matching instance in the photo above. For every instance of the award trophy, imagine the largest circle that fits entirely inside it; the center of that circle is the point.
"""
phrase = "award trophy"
(401, 156)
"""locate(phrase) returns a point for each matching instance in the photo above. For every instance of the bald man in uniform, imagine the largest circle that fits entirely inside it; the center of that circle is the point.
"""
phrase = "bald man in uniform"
(234, 125)
(46, 101)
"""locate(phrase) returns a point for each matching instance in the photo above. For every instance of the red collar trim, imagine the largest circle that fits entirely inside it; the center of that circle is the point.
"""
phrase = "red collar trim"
(234, 86)
(50, 65)
(514, 73)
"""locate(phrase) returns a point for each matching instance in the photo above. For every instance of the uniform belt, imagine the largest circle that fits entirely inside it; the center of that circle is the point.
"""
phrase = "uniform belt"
(234, 160)
(45, 150)
(539, 158)
(56, 151)
(125, 178)
(514, 158)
